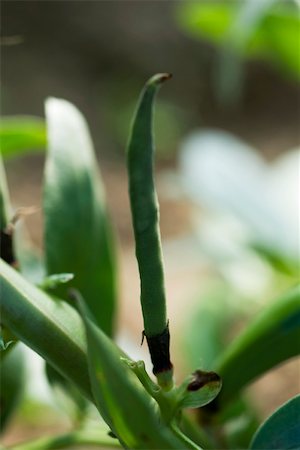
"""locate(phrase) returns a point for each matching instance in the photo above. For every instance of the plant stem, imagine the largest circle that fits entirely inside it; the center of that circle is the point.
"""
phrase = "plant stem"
(74, 438)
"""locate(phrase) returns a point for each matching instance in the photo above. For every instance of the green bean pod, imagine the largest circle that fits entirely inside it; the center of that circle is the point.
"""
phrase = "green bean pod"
(145, 211)
(145, 216)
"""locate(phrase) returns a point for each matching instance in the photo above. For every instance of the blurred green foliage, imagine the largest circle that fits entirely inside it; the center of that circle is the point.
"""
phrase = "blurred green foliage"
(19, 134)
(78, 236)
(267, 29)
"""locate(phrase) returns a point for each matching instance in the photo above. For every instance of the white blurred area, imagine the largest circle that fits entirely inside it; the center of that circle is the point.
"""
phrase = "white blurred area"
(234, 183)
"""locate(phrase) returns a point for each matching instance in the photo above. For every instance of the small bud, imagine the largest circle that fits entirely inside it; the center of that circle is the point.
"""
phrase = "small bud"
(201, 378)
(199, 389)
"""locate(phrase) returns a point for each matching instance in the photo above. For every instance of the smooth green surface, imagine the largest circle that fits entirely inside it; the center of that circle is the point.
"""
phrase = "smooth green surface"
(281, 430)
(121, 399)
(271, 338)
(145, 210)
(21, 134)
(78, 237)
(12, 381)
(52, 328)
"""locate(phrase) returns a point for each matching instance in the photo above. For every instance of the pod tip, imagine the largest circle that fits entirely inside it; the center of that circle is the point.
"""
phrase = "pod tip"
(159, 78)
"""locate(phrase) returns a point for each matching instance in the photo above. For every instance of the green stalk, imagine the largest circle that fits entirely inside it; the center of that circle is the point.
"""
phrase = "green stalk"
(145, 216)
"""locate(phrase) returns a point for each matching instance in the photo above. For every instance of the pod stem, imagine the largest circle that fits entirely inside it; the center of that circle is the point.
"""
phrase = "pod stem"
(145, 216)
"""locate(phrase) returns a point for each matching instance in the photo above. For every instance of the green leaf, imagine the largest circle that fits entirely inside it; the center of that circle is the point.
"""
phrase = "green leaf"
(125, 405)
(281, 429)
(271, 338)
(20, 134)
(78, 236)
(51, 328)
(12, 380)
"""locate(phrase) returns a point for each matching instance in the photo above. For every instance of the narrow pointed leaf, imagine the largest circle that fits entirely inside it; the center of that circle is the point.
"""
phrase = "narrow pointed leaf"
(78, 236)
(281, 430)
(51, 328)
(272, 337)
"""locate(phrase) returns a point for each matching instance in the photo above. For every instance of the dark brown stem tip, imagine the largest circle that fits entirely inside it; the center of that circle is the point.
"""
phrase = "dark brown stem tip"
(201, 378)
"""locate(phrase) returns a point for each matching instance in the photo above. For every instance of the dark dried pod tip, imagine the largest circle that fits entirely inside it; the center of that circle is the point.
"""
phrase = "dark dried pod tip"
(159, 348)
(201, 378)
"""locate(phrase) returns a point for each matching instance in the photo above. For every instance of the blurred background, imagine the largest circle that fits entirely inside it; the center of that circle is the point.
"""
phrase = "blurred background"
(227, 138)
